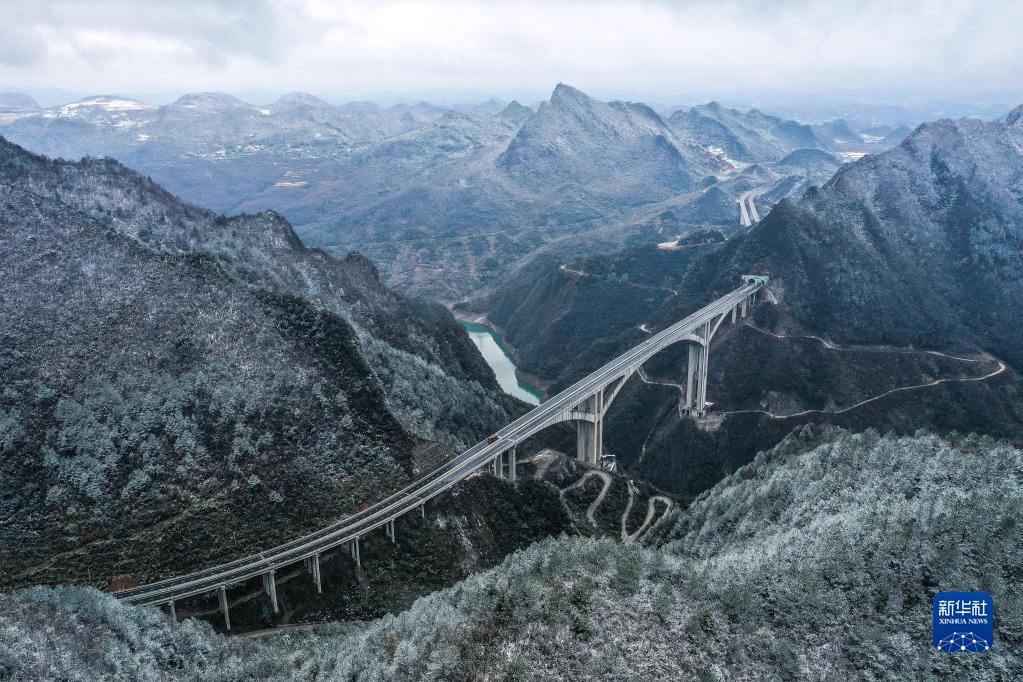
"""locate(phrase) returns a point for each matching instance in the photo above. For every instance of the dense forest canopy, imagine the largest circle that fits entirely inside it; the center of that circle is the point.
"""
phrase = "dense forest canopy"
(816, 561)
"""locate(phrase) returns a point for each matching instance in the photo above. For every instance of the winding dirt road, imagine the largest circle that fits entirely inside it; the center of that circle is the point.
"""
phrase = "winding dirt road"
(595, 505)
(605, 477)
(843, 349)
(650, 511)
(1001, 368)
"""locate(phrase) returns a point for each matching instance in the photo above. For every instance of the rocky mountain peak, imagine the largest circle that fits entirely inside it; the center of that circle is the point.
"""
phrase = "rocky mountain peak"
(713, 109)
(515, 110)
(1015, 117)
(567, 96)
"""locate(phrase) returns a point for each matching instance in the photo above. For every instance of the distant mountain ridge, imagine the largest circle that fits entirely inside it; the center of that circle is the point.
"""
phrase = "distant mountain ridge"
(750, 137)
(16, 101)
(419, 187)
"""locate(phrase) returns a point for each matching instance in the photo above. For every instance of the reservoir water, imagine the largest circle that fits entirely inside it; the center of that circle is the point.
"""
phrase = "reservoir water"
(494, 352)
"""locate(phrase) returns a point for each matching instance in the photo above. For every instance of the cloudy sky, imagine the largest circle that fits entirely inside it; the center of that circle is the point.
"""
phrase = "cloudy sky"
(867, 49)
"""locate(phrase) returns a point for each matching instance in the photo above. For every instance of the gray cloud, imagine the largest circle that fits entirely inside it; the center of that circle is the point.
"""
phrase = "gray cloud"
(938, 47)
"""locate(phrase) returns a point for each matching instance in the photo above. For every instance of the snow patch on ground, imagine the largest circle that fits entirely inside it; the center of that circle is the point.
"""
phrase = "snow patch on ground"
(721, 154)
(105, 103)
(851, 156)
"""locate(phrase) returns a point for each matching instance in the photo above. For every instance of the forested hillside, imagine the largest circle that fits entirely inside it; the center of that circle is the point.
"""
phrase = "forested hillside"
(817, 561)
(181, 387)
(922, 245)
(914, 249)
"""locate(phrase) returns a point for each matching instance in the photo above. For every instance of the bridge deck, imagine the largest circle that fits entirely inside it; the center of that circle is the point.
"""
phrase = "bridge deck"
(440, 479)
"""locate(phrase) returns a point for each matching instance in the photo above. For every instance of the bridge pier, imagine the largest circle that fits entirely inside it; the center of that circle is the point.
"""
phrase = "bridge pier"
(512, 474)
(355, 554)
(173, 611)
(222, 596)
(590, 434)
(270, 587)
(389, 529)
(696, 380)
(497, 466)
(312, 564)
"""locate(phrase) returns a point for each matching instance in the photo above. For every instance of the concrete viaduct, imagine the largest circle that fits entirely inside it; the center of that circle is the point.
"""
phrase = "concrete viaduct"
(585, 402)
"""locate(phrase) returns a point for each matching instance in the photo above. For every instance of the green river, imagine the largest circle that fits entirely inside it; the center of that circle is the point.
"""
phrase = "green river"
(494, 352)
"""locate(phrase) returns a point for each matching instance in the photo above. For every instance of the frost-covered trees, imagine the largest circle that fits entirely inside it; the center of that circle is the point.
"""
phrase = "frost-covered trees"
(816, 561)
(155, 357)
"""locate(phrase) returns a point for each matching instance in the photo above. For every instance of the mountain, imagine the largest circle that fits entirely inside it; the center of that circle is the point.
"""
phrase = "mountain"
(1014, 117)
(419, 188)
(295, 100)
(16, 101)
(514, 114)
(183, 386)
(745, 137)
(491, 107)
(817, 561)
(206, 102)
(896, 136)
(837, 131)
(912, 250)
(811, 160)
(938, 219)
(615, 149)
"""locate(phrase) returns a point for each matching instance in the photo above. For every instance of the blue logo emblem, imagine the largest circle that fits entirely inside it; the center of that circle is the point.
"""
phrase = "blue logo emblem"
(964, 622)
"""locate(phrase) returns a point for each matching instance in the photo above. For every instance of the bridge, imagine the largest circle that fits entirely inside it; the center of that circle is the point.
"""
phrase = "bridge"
(748, 213)
(585, 402)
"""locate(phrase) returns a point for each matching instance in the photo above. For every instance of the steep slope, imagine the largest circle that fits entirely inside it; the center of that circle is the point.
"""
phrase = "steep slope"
(917, 248)
(919, 245)
(748, 137)
(816, 561)
(615, 150)
(183, 386)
